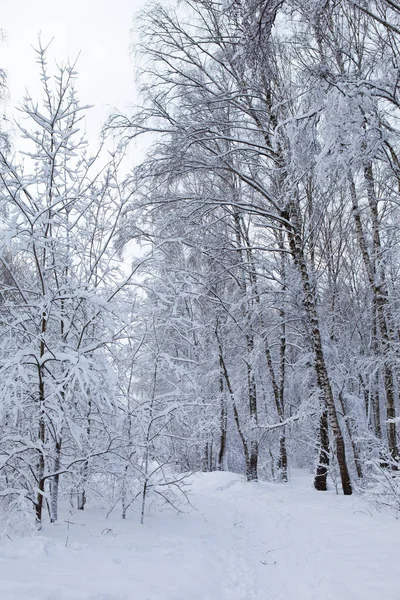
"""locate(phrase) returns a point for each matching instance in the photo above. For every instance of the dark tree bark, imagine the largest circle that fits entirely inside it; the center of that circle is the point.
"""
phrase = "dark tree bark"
(55, 482)
(321, 475)
(251, 467)
(42, 429)
(223, 422)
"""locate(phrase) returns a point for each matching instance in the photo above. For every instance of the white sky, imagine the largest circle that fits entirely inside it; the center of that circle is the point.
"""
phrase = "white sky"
(98, 29)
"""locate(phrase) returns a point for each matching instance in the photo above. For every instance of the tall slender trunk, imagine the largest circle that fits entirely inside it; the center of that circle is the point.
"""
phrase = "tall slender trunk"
(321, 475)
(55, 483)
(144, 495)
(278, 393)
(310, 305)
(283, 459)
(40, 475)
(147, 444)
(81, 495)
(251, 471)
(124, 502)
(376, 407)
(223, 422)
(207, 457)
(205, 452)
(42, 429)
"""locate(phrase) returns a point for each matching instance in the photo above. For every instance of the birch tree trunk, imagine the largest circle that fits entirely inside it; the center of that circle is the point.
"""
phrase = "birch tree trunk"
(310, 305)
(55, 483)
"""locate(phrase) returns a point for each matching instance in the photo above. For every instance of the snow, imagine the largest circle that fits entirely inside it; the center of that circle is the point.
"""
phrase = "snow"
(241, 541)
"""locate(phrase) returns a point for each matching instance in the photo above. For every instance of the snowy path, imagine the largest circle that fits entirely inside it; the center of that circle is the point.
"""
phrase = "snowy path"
(244, 542)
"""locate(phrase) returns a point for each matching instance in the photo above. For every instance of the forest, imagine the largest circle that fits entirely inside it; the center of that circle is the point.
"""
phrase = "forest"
(228, 300)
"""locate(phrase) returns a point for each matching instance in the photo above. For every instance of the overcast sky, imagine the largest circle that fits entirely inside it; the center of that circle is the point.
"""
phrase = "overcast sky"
(98, 29)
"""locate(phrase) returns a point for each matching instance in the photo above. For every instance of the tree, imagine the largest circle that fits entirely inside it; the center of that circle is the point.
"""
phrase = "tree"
(61, 212)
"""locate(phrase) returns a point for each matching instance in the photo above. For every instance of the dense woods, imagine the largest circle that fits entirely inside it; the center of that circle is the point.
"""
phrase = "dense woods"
(231, 302)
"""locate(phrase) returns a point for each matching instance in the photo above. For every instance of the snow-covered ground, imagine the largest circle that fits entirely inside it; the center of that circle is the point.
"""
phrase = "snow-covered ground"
(244, 542)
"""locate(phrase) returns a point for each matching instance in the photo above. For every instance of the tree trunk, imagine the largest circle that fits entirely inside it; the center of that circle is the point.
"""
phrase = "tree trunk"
(310, 305)
(123, 493)
(283, 461)
(81, 494)
(252, 462)
(55, 484)
(320, 480)
(223, 423)
(251, 470)
(40, 479)
(42, 429)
